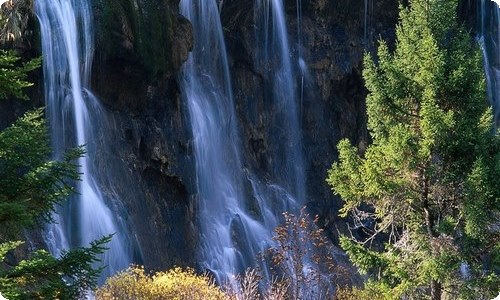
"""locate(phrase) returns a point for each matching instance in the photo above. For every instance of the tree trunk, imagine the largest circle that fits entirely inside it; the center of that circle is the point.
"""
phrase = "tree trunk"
(429, 224)
(435, 290)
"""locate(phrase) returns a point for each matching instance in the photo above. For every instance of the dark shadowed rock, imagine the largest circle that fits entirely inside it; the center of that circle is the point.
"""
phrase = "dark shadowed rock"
(146, 152)
(334, 40)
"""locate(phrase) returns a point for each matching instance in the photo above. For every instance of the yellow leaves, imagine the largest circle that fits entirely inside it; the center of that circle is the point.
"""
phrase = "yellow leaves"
(177, 283)
(185, 284)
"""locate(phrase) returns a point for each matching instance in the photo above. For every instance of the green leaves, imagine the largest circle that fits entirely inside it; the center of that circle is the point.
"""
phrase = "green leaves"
(428, 183)
(42, 276)
(365, 260)
(30, 185)
(6, 247)
(345, 178)
(13, 74)
(482, 200)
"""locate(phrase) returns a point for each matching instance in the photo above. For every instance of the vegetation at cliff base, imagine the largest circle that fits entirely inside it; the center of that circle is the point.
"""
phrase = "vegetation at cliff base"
(427, 187)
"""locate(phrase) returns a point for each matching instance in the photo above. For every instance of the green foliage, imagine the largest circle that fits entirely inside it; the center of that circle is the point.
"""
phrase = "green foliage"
(42, 276)
(6, 247)
(13, 74)
(364, 259)
(428, 183)
(176, 283)
(30, 186)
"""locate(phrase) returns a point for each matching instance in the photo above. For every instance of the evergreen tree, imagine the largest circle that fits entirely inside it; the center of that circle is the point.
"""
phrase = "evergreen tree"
(30, 187)
(428, 185)
(13, 74)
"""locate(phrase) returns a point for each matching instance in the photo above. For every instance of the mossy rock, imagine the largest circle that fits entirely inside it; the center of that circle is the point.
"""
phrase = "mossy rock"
(140, 31)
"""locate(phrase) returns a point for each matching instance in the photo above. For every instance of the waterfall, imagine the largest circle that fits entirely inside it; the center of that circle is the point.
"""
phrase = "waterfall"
(74, 115)
(274, 61)
(489, 40)
(235, 225)
(206, 86)
(304, 71)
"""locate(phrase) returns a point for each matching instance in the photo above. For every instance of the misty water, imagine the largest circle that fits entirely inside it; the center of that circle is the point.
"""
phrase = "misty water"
(74, 114)
(206, 86)
(231, 235)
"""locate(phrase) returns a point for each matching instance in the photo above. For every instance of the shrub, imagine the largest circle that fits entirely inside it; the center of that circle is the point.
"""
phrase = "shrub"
(304, 258)
(251, 286)
(176, 283)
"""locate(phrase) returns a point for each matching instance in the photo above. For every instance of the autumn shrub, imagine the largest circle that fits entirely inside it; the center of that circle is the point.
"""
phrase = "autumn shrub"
(304, 258)
(301, 266)
(250, 286)
(177, 283)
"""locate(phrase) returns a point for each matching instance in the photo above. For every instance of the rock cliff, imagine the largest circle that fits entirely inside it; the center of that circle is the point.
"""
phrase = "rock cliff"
(146, 155)
(140, 49)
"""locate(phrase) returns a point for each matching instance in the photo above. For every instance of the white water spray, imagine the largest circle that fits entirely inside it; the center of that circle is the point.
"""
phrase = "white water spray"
(236, 225)
(229, 236)
(274, 61)
(67, 44)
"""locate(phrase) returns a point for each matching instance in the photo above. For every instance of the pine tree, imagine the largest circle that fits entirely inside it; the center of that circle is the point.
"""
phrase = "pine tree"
(31, 185)
(428, 185)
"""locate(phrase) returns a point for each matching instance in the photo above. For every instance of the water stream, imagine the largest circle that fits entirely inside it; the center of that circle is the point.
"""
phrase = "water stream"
(274, 61)
(489, 40)
(73, 114)
(232, 229)
(207, 89)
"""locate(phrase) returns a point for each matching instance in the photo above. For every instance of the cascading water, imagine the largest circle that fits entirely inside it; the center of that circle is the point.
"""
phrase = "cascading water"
(232, 235)
(273, 60)
(285, 190)
(67, 45)
(206, 87)
(489, 40)
(304, 71)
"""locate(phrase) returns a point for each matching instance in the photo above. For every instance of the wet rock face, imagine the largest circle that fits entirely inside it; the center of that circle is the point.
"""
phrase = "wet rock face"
(145, 155)
(149, 125)
(148, 162)
(140, 48)
(139, 44)
(335, 36)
